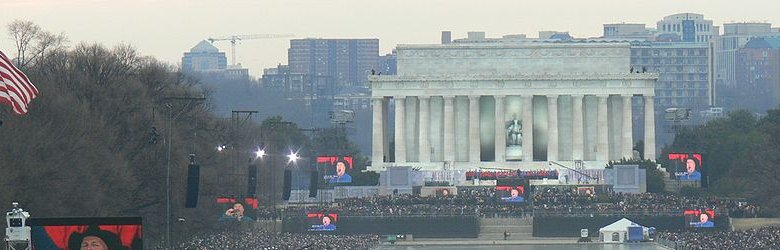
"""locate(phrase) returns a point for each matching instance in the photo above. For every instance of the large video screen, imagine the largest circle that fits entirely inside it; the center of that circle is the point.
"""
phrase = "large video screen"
(700, 218)
(236, 211)
(443, 192)
(338, 169)
(322, 221)
(687, 166)
(79, 233)
(511, 193)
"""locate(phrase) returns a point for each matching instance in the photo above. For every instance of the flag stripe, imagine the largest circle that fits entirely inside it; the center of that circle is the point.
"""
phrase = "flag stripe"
(15, 88)
(18, 76)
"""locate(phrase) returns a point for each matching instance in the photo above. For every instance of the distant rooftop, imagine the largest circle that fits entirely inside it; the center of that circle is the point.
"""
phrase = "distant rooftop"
(204, 47)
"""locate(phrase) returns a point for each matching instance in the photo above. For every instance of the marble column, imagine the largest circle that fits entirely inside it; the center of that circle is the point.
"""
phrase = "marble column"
(424, 153)
(578, 140)
(400, 123)
(649, 128)
(449, 129)
(500, 139)
(377, 146)
(552, 127)
(627, 143)
(603, 130)
(474, 145)
(528, 128)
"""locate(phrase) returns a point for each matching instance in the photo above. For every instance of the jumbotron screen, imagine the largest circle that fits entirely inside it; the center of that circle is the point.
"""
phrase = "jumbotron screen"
(322, 221)
(338, 169)
(687, 166)
(511, 193)
(443, 192)
(77, 233)
(236, 211)
(700, 218)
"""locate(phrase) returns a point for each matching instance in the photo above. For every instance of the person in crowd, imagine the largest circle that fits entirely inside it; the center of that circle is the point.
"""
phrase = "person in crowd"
(95, 239)
(691, 173)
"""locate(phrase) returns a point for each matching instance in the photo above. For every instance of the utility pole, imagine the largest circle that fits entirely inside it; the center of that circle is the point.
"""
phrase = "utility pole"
(171, 117)
(238, 119)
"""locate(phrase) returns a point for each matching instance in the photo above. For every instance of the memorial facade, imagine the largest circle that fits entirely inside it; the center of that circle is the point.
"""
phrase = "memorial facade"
(509, 105)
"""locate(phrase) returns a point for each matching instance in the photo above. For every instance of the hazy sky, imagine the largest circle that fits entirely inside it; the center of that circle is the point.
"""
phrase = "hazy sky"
(167, 28)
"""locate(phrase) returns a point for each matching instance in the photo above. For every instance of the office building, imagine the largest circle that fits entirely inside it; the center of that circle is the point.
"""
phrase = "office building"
(204, 57)
(689, 27)
(347, 61)
(758, 76)
(734, 37)
(627, 31)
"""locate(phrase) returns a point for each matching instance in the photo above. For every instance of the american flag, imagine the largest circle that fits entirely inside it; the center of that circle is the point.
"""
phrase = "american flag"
(16, 89)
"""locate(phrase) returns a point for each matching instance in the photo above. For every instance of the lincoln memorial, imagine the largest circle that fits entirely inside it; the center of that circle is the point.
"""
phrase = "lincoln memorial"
(510, 105)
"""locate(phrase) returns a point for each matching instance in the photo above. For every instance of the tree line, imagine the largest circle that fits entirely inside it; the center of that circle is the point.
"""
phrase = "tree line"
(95, 143)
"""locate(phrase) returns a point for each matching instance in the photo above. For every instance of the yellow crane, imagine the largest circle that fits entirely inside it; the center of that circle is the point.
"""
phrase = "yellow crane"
(235, 38)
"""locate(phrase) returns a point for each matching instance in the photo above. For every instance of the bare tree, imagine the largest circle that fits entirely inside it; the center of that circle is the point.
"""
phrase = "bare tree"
(32, 43)
(23, 33)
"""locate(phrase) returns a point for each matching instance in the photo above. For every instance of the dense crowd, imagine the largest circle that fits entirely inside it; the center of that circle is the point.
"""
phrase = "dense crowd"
(254, 239)
(469, 201)
(484, 202)
(568, 201)
(762, 238)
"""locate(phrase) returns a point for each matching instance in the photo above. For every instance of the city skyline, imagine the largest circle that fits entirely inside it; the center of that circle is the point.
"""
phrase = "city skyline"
(167, 29)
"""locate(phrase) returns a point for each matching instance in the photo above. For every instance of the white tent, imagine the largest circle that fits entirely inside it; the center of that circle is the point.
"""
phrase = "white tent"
(617, 231)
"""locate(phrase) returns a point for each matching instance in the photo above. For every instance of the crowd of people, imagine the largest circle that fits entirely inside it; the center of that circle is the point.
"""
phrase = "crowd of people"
(574, 202)
(470, 202)
(761, 238)
(264, 240)
(484, 202)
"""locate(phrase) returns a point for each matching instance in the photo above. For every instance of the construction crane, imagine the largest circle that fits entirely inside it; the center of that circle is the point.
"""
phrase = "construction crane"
(235, 38)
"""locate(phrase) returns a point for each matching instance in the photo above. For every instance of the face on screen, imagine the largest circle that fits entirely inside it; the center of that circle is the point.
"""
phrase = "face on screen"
(514, 193)
(93, 243)
(238, 209)
(690, 165)
(93, 233)
(703, 218)
(341, 168)
(325, 221)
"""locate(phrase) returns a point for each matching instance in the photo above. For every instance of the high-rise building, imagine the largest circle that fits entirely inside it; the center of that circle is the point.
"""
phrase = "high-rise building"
(690, 27)
(297, 85)
(683, 79)
(204, 57)
(388, 64)
(758, 76)
(347, 61)
(734, 37)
